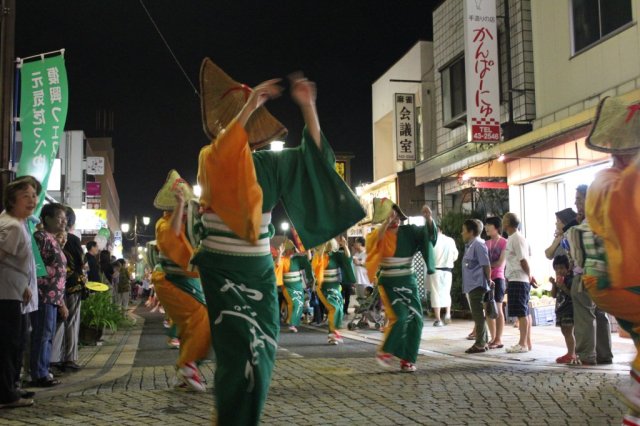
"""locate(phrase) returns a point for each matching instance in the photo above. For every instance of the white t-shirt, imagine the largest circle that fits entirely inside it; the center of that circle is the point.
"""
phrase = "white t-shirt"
(517, 249)
(446, 251)
(361, 271)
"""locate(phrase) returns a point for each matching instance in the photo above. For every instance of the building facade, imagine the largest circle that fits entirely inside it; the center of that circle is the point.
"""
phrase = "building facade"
(402, 119)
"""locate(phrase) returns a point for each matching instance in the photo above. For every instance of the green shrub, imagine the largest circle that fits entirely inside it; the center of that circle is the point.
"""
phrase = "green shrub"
(98, 311)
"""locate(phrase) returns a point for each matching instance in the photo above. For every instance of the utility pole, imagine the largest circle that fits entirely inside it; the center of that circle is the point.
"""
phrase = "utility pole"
(7, 73)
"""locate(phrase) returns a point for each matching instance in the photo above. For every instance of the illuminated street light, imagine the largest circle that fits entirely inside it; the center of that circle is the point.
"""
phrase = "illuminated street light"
(146, 220)
(124, 227)
(277, 145)
(197, 190)
(284, 226)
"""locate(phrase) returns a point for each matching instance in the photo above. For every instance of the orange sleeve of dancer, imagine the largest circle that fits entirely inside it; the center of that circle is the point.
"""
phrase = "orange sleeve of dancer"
(175, 247)
(319, 264)
(282, 267)
(612, 208)
(229, 184)
(377, 249)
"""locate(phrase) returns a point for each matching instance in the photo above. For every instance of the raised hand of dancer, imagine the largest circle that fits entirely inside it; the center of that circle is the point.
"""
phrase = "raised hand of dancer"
(261, 93)
(304, 93)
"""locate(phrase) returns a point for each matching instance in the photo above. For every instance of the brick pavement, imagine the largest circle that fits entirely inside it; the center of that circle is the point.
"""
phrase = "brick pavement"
(318, 389)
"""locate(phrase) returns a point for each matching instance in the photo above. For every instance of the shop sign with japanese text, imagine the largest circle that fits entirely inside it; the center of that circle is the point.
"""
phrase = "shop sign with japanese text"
(43, 112)
(405, 110)
(482, 71)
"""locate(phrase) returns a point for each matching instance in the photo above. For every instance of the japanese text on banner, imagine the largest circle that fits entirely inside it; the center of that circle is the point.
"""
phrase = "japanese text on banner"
(43, 113)
(482, 71)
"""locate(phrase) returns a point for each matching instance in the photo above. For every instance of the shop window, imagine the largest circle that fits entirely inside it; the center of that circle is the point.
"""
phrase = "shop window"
(593, 20)
(454, 103)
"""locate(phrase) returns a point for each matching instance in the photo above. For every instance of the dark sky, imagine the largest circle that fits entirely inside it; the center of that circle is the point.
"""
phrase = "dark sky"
(116, 60)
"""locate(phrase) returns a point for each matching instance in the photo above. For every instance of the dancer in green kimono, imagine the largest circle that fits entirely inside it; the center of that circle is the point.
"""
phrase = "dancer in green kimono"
(390, 250)
(294, 270)
(332, 267)
(239, 190)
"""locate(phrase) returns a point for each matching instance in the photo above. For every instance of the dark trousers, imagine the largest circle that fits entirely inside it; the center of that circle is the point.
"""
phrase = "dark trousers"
(10, 330)
(43, 324)
(23, 346)
(346, 295)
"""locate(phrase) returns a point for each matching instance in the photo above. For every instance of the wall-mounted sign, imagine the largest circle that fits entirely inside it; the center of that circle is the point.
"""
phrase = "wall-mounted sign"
(482, 71)
(405, 111)
(91, 220)
(95, 166)
(340, 168)
(93, 189)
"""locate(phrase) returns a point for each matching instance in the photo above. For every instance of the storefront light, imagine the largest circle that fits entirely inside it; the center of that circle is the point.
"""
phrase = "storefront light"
(501, 158)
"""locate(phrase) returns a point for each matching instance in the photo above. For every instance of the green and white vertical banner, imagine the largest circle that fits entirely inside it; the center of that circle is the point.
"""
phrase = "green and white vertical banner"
(44, 101)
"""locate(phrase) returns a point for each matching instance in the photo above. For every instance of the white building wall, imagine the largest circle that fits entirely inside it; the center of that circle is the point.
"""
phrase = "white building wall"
(568, 83)
(416, 65)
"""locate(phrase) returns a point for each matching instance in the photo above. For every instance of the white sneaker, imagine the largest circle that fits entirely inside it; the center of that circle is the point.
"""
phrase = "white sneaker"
(338, 337)
(517, 349)
(189, 379)
(385, 360)
(331, 339)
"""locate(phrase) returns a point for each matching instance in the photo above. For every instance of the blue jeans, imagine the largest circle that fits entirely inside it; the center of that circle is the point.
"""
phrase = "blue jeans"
(43, 323)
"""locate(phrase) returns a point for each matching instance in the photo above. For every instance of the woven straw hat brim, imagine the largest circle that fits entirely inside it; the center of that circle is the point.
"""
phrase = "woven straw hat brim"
(616, 128)
(382, 209)
(165, 199)
(222, 98)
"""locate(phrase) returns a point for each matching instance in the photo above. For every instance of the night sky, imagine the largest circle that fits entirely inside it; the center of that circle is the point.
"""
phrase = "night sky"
(117, 61)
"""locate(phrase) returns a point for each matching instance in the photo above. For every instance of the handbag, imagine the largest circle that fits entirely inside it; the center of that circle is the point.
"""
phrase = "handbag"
(491, 306)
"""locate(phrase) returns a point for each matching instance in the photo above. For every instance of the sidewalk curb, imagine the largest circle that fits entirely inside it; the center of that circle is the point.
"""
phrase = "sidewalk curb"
(531, 363)
(107, 364)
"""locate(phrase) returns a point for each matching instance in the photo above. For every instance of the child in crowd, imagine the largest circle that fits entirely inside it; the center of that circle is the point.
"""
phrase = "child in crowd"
(561, 290)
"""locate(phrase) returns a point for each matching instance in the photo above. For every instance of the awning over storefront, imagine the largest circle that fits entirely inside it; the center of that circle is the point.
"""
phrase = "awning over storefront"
(468, 155)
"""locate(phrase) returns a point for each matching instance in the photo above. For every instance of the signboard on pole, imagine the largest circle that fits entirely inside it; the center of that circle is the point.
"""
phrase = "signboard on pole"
(44, 98)
(482, 71)
(405, 111)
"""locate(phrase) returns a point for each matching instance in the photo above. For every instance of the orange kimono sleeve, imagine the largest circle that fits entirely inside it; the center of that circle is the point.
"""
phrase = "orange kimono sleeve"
(376, 250)
(612, 208)
(229, 183)
(319, 264)
(279, 270)
(175, 247)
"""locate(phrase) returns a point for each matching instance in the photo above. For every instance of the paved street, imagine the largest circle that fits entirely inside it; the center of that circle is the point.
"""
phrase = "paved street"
(126, 382)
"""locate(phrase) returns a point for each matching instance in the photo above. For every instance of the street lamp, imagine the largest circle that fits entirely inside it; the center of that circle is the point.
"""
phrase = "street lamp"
(197, 190)
(284, 226)
(132, 234)
(277, 145)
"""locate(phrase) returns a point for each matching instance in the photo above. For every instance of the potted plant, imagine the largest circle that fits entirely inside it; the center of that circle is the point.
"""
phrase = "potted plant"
(97, 313)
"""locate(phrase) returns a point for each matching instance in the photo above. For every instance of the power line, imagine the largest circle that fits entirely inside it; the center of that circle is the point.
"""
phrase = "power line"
(175, 58)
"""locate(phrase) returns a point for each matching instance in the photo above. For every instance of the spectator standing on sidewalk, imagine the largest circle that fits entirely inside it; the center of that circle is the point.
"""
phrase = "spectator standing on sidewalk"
(123, 286)
(17, 271)
(561, 290)
(93, 273)
(496, 246)
(50, 294)
(476, 281)
(592, 328)
(446, 254)
(518, 275)
(65, 342)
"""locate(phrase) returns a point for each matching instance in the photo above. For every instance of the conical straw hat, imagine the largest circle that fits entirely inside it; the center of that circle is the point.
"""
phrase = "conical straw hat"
(382, 208)
(166, 199)
(616, 128)
(222, 98)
